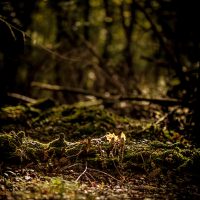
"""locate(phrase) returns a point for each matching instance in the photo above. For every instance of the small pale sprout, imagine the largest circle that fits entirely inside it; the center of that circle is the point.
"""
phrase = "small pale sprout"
(111, 137)
(123, 136)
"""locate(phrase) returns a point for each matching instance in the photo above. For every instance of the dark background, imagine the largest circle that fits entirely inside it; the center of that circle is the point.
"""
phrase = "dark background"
(116, 47)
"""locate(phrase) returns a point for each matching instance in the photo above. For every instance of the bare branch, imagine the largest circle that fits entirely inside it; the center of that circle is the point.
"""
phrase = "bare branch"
(112, 99)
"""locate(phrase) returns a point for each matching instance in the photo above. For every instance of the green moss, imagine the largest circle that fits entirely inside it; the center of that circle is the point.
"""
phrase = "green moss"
(75, 122)
(9, 143)
(59, 142)
(83, 139)
(158, 155)
(85, 114)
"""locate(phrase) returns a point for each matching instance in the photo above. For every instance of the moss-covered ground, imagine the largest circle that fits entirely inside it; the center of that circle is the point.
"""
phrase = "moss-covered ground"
(86, 151)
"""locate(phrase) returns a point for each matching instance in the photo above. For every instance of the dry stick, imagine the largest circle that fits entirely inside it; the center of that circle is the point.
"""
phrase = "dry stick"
(159, 120)
(82, 172)
(166, 115)
(11, 27)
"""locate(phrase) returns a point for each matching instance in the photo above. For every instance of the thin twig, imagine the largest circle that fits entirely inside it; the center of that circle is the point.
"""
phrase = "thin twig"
(159, 120)
(165, 116)
(26, 35)
(82, 172)
(11, 27)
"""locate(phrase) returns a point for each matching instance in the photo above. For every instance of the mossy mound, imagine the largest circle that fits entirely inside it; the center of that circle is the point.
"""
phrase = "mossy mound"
(81, 134)
(10, 144)
(109, 152)
(156, 157)
(77, 122)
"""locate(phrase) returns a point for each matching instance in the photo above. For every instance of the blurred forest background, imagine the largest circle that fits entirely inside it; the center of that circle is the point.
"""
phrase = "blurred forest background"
(136, 48)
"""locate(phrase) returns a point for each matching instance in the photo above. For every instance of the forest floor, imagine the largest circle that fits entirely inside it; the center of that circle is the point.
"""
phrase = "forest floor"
(91, 151)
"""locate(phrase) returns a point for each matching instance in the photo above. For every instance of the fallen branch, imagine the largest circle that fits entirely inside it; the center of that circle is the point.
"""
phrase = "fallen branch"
(22, 97)
(112, 99)
(46, 86)
(162, 102)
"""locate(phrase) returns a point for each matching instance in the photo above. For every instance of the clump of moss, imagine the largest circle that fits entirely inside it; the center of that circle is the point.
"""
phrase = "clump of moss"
(165, 157)
(17, 117)
(89, 121)
(9, 144)
(43, 121)
(34, 151)
(80, 134)
(76, 122)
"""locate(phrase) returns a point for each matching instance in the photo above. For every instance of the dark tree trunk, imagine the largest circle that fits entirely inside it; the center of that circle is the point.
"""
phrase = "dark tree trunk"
(86, 14)
(128, 30)
(11, 47)
(108, 22)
